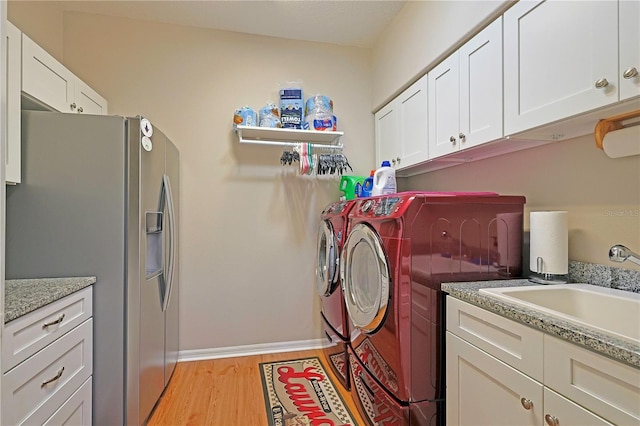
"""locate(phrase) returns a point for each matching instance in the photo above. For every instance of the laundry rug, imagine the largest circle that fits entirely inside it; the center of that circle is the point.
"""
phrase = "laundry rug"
(300, 393)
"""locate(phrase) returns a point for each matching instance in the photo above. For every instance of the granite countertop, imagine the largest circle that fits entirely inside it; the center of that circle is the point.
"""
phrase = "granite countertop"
(24, 296)
(603, 343)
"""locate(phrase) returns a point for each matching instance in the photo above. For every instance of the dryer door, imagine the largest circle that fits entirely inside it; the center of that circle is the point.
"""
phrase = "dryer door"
(327, 266)
(365, 278)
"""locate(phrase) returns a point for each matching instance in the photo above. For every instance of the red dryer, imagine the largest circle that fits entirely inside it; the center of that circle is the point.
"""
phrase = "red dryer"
(331, 235)
(399, 250)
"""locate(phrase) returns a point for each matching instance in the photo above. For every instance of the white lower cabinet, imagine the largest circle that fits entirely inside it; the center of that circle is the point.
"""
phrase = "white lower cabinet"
(490, 362)
(606, 387)
(52, 383)
(559, 411)
(76, 410)
(481, 390)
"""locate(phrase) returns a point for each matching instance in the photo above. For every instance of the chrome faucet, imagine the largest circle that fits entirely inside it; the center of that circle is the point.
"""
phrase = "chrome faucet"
(620, 253)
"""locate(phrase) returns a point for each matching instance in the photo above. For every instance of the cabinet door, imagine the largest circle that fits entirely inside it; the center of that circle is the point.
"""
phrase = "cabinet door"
(444, 107)
(559, 410)
(88, 101)
(45, 79)
(481, 87)
(76, 410)
(387, 133)
(606, 387)
(555, 52)
(629, 49)
(13, 64)
(414, 143)
(484, 391)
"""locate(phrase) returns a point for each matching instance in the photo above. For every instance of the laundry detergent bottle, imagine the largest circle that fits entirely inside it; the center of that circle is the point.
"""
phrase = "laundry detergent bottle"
(367, 186)
(384, 180)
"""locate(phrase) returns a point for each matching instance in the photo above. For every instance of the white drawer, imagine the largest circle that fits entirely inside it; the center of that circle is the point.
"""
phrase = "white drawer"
(76, 410)
(607, 387)
(28, 334)
(513, 343)
(27, 398)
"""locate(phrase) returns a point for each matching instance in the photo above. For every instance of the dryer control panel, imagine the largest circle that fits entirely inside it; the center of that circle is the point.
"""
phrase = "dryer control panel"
(379, 206)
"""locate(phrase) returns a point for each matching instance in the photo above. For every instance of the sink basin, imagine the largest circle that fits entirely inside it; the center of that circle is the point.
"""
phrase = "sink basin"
(611, 311)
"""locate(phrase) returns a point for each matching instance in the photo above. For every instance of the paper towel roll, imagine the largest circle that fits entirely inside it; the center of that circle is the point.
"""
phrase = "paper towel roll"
(622, 143)
(509, 238)
(549, 241)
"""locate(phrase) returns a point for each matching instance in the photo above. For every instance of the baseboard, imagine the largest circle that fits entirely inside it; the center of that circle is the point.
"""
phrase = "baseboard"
(245, 350)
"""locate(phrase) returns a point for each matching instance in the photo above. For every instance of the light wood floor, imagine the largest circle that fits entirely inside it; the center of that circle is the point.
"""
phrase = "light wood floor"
(225, 392)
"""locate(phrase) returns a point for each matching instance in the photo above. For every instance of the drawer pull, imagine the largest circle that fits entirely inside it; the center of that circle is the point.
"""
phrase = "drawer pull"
(551, 420)
(630, 72)
(526, 403)
(53, 379)
(58, 321)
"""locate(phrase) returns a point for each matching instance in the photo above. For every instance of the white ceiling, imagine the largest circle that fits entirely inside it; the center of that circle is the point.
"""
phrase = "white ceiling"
(345, 22)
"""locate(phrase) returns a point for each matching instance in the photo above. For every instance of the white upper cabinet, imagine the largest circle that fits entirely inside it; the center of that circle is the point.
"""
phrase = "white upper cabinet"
(413, 144)
(87, 100)
(444, 107)
(560, 59)
(401, 128)
(49, 82)
(629, 49)
(386, 121)
(13, 130)
(481, 87)
(465, 95)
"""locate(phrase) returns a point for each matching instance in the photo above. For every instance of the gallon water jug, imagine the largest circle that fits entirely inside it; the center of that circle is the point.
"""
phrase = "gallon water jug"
(384, 180)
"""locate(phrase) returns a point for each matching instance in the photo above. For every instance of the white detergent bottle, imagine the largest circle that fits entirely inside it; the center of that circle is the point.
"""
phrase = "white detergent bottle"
(384, 180)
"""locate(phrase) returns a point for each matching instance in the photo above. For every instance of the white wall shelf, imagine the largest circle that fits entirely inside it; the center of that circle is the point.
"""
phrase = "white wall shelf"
(288, 137)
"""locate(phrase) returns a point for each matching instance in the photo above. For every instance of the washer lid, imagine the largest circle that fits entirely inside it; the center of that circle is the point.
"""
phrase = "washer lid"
(365, 278)
(327, 265)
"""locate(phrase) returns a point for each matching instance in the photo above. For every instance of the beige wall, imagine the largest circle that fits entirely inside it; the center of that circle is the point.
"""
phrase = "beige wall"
(421, 35)
(41, 21)
(248, 224)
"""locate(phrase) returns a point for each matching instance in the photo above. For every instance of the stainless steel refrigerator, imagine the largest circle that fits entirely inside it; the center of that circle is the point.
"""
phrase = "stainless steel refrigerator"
(99, 197)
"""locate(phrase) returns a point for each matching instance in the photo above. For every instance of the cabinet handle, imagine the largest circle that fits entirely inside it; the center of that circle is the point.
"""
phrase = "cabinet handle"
(630, 72)
(602, 83)
(452, 140)
(80, 109)
(398, 160)
(53, 379)
(73, 105)
(58, 321)
(462, 136)
(526, 403)
(551, 420)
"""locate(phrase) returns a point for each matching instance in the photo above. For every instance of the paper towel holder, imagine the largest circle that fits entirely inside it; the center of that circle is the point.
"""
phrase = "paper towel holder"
(540, 277)
(612, 124)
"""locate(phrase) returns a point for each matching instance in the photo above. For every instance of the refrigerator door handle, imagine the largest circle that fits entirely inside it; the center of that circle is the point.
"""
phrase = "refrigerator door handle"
(166, 185)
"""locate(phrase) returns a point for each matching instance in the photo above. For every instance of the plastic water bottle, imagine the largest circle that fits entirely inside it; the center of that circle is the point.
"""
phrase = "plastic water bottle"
(384, 180)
